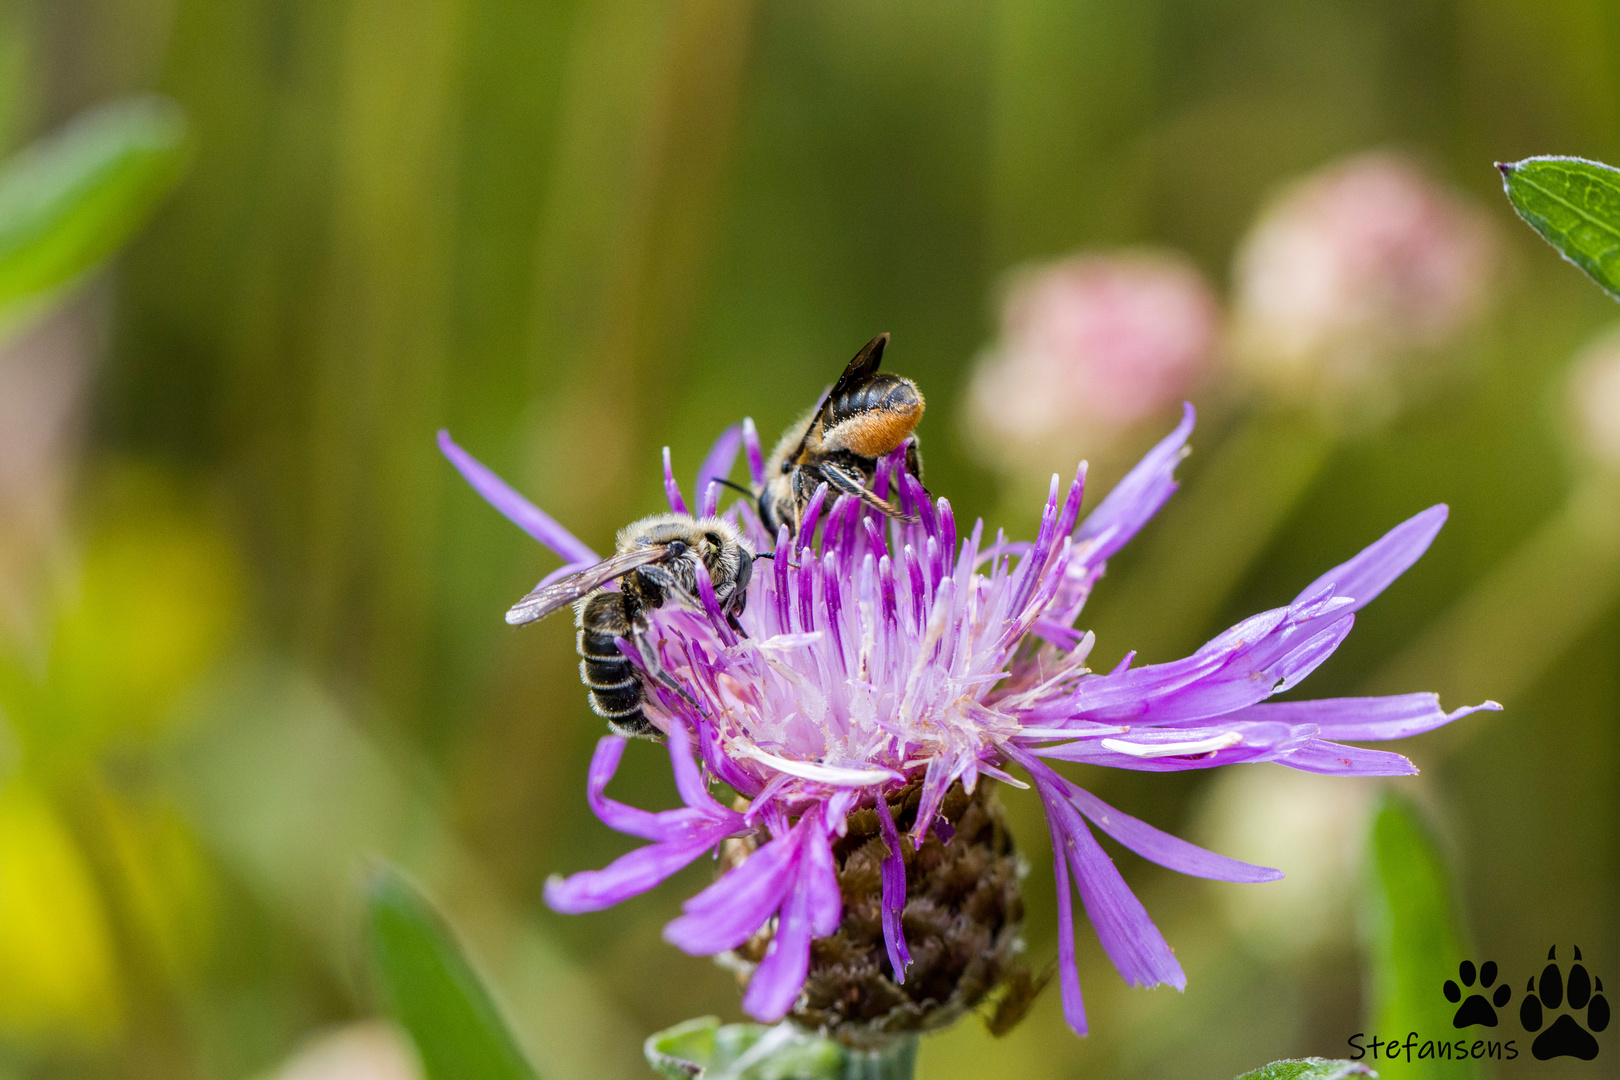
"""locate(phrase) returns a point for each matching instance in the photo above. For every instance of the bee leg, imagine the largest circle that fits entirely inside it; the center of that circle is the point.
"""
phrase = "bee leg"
(849, 483)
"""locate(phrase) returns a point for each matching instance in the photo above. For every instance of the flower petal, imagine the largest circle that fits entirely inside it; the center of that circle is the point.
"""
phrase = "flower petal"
(1322, 756)
(518, 510)
(776, 982)
(629, 875)
(689, 780)
(1157, 846)
(727, 913)
(756, 458)
(1127, 934)
(1370, 718)
(672, 489)
(818, 880)
(894, 893)
(1139, 495)
(1385, 559)
(630, 820)
(717, 466)
(1074, 1006)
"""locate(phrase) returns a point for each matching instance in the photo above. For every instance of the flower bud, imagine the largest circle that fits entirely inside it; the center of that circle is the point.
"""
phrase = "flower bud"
(963, 923)
(1088, 347)
(1594, 399)
(1350, 267)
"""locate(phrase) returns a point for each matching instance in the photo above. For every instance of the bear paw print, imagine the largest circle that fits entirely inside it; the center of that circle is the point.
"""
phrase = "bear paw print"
(1566, 1037)
(1476, 1010)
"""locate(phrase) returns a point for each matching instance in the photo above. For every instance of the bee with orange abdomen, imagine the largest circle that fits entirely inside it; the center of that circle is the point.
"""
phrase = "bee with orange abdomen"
(865, 416)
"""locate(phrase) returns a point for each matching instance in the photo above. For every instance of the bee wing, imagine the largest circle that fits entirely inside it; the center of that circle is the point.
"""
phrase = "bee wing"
(564, 591)
(858, 371)
(861, 369)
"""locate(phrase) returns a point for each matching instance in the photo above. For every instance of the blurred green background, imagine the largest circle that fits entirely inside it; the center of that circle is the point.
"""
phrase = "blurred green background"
(253, 626)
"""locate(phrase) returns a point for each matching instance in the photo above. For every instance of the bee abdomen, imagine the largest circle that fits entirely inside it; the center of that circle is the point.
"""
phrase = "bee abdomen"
(614, 687)
(874, 419)
(884, 393)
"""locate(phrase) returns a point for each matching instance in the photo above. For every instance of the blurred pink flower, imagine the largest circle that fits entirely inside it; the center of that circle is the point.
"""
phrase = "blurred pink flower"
(1090, 346)
(1594, 399)
(1355, 263)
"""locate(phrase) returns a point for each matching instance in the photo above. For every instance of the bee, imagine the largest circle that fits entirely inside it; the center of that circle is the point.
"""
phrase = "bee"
(654, 559)
(865, 416)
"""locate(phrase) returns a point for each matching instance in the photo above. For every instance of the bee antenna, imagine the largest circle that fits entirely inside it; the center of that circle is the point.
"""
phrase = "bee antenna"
(733, 486)
(766, 555)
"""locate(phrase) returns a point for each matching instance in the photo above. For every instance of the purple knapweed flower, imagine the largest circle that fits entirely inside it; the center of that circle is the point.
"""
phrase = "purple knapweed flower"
(896, 656)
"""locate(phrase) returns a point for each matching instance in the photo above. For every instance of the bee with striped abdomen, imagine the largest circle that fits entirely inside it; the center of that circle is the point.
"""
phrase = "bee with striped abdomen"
(654, 558)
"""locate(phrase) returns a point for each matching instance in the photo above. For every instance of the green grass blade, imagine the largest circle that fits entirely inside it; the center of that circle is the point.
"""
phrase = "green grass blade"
(73, 198)
(1416, 940)
(1575, 205)
(1308, 1069)
(434, 992)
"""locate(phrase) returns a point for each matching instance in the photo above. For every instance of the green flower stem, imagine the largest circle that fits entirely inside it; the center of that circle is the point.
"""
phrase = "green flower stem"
(898, 1062)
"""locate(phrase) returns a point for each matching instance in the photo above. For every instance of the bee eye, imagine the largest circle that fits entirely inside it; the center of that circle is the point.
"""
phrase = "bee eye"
(714, 538)
(787, 467)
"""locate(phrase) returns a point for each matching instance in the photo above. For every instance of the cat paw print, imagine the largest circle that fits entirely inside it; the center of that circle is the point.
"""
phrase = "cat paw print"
(1579, 992)
(1476, 1010)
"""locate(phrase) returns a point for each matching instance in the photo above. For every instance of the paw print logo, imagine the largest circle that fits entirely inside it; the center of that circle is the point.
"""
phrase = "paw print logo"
(1566, 1037)
(1476, 1010)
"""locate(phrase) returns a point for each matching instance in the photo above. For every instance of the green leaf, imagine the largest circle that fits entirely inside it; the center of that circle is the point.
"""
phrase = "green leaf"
(1308, 1069)
(1415, 935)
(703, 1049)
(70, 200)
(1575, 205)
(434, 992)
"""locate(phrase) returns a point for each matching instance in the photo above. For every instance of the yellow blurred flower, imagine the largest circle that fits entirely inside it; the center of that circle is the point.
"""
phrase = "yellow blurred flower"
(57, 965)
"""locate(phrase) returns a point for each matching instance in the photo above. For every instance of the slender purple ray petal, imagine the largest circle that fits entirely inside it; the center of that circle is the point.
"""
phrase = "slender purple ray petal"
(776, 983)
(1168, 851)
(1322, 756)
(1363, 718)
(629, 875)
(1139, 952)
(1139, 495)
(1074, 1006)
(514, 507)
(818, 880)
(717, 466)
(616, 815)
(1255, 659)
(688, 781)
(756, 459)
(1385, 559)
(672, 490)
(894, 894)
(727, 913)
